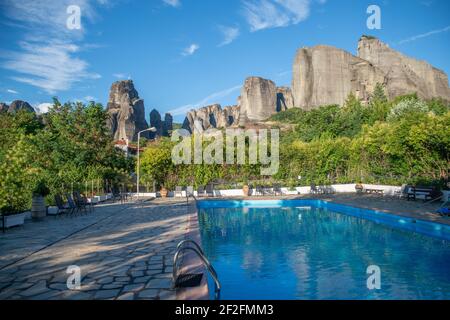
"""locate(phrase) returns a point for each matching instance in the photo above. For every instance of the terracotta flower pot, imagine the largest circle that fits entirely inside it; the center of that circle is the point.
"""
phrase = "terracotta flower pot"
(245, 190)
(163, 192)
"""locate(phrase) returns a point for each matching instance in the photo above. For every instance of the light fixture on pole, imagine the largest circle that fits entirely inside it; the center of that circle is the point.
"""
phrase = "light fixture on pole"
(152, 129)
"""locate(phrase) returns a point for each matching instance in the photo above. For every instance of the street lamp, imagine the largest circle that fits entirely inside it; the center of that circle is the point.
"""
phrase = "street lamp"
(152, 129)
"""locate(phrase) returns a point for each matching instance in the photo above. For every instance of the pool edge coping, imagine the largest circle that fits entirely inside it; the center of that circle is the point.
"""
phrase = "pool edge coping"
(192, 263)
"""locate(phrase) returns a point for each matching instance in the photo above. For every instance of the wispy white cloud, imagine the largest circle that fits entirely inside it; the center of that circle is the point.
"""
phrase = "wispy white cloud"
(47, 57)
(121, 76)
(229, 34)
(283, 73)
(190, 50)
(42, 107)
(424, 35)
(89, 98)
(265, 14)
(212, 98)
(11, 91)
(50, 66)
(173, 3)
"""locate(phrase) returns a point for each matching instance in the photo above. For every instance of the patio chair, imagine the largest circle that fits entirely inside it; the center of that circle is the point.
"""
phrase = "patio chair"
(189, 190)
(116, 194)
(178, 191)
(209, 190)
(277, 190)
(87, 202)
(403, 192)
(71, 204)
(81, 201)
(269, 191)
(314, 189)
(200, 191)
(62, 208)
(259, 190)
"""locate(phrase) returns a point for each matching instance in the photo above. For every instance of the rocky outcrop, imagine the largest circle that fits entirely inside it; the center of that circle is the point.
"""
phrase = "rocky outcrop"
(156, 122)
(258, 99)
(232, 115)
(212, 116)
(285, 100)
(163, 127)
(127, 112)
(324, 75)
(16, 106)
(3, 107)
(404, 75)
(167, 125)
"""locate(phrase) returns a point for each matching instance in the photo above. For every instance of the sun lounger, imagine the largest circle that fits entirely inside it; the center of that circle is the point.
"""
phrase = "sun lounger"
(209, 190)
(277, 190)
(178, 191)
(201, 191)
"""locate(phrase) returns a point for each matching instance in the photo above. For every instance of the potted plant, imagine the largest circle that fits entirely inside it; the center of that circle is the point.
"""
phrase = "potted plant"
(245, 189)
(38, 208)
(11, 217)
(163, 192)
(359, 187)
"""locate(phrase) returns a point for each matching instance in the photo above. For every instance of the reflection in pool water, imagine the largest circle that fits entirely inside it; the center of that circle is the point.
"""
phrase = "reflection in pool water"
(306, 252)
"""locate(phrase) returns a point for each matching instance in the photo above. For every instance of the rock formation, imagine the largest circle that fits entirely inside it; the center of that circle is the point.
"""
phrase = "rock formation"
(212, 116)
(126, 110)
(163, 127)
(156, 122)
(167, 125)
(16, 106)
(285, 100)
(258, 99)
(3, 107)
(325, 75)
(403, 74)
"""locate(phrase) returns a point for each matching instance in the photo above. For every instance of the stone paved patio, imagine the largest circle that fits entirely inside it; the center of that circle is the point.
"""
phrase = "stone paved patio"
(124, 252)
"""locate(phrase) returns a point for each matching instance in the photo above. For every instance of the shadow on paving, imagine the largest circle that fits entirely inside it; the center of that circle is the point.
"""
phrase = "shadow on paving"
(127, 255)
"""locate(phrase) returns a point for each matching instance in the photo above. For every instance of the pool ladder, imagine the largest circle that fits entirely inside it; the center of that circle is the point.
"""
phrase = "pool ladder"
(183, 246)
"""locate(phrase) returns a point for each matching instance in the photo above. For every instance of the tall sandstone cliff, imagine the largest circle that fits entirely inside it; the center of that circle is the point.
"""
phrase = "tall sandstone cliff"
(126, 110)
(403, 74)
(212, 116)
(326, 75)
(258, 99)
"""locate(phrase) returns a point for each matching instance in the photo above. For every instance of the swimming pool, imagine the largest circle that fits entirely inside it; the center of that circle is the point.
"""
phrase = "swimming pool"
(312, 249)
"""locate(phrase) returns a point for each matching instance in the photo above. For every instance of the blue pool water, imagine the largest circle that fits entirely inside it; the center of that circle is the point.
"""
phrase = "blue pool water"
(311, 249)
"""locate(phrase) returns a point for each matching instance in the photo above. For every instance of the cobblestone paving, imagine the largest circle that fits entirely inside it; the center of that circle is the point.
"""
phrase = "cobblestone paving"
(124, 252)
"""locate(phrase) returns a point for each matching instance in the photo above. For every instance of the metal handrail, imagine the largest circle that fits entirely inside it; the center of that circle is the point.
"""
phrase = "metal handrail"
(197, 246)
(188, 194)
(205, 261)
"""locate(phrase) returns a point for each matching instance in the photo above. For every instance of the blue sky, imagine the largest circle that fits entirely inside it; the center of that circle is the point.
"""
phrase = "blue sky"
(188, 53)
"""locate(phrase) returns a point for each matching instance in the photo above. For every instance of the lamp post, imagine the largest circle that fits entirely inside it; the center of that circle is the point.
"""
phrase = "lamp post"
(152, 129)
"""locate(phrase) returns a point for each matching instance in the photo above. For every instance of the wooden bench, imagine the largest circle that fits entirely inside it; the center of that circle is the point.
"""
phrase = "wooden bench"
(428, 193)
